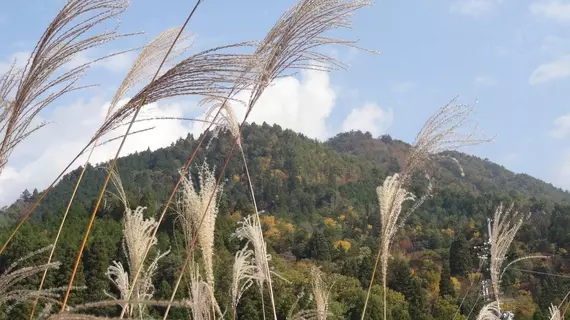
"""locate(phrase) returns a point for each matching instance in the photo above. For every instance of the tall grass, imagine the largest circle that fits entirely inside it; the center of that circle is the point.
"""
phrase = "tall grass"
(145, 63)
(443, 131)
(25, 92)
(220, 77)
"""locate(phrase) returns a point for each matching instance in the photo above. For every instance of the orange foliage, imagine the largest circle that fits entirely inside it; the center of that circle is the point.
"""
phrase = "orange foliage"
(268, 221)
(330, 222)
(345, 245)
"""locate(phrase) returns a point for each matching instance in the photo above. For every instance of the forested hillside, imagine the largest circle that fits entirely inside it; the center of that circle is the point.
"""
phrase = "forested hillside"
(319, 206)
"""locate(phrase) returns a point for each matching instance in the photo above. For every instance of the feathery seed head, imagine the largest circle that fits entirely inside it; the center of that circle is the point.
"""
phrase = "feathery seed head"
(24, 93)
(192, 206)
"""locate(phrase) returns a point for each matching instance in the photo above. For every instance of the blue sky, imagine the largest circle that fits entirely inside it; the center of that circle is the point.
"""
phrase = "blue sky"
(513, 57)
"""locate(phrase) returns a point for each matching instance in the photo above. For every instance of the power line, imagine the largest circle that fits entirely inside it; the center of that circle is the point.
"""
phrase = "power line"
(544, 273)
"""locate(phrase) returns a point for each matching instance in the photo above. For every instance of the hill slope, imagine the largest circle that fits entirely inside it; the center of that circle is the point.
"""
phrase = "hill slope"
(481, 175)
(320, 208)
(279, 158)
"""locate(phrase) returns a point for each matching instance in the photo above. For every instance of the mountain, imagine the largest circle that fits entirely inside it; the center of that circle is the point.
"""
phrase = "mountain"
(480, 175)
(319, 207)
(344, 160)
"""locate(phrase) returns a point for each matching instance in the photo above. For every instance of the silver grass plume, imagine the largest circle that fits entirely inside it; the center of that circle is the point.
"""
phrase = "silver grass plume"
(250, 230)
(146, 63)
(443, 132)
(226, 120)
(137, 238)
(200, 292)
(490, 311)
(26, 92)
(13, 275)
(148, 60)
(295, 40)
(391, 196)
(554, 313)
(210, 73)
(72, 312)
(506, 223)
(321, 292)
(293, 43)
(192, 204)
(243, 275)
(311, 314)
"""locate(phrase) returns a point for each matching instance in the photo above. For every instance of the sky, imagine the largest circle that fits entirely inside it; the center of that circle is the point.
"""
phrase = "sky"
(509, 57)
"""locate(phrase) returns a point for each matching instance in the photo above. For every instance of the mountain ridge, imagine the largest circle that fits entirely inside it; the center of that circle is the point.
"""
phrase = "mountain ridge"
(349, 157)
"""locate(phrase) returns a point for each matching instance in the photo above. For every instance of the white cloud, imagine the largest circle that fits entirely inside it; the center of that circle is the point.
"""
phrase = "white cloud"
(301, 105)
(38, 160)
(556, 10)
(561, 127)
(403, 87)
(554, 70)
(474, 8)
(370, 118)
(485, 80)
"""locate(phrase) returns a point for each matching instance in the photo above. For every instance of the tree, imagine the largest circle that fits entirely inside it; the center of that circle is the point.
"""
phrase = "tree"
(460, 257)
(96, 261)
(320, 247)
(147, 200)
(445, 309)
(445, 286)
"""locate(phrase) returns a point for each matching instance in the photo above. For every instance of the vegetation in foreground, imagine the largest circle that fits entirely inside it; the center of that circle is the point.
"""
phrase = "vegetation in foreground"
(300, 224)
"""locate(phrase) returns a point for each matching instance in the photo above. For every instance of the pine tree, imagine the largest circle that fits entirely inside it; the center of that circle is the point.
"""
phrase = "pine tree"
(320, 247)
(445, 286)
(460, 257)
(96, 260)
(147, 200)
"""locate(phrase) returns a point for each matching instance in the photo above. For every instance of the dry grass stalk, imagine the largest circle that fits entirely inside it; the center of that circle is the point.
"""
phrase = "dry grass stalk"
(243, 275)
(250, 230)
(12, 276)
(291, 43)
(202, 305)
(506, 223)
(391, 196)
(441, 132)
(209, 73)
(321, 292)
(490, 311)
(24, 93)
(191, 205)
(554, 312)
(112, 166)
(137, 233)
